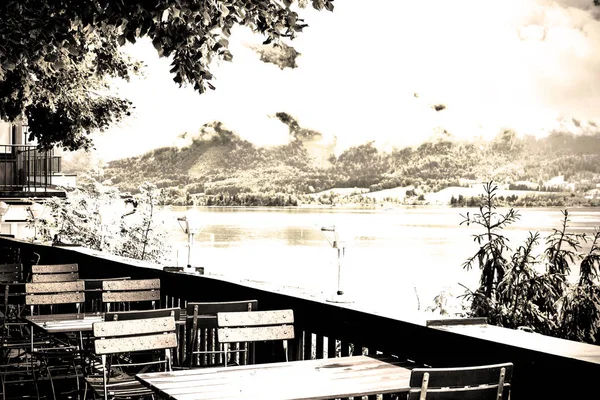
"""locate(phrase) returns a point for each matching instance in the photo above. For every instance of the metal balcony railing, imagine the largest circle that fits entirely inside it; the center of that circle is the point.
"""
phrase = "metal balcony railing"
(25, 168)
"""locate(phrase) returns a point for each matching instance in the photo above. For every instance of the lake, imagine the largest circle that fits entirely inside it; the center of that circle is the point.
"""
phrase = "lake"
(398, 258)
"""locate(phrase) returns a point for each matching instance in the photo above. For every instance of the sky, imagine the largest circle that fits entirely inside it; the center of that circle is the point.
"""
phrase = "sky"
(373, 70)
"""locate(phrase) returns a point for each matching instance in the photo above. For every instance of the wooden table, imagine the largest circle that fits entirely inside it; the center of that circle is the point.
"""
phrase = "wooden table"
(80, 323)
(61, 323)
(296, 380)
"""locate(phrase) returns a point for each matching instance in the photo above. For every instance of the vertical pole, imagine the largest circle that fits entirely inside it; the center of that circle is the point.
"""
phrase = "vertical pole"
(101, 232)
(34, 229)
(190, 244)
(339, 265)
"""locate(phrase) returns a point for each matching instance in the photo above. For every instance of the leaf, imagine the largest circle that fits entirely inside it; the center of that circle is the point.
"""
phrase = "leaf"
(156, 42)
(329, 6)
(121, 40)
(300, 27)
(224, 42)
(58, 64)
(224, 10)
(74, 51)
(131, 36)
(287, 3)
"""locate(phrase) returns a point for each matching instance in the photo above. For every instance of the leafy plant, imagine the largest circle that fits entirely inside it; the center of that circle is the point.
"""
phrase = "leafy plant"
(580, 318)
(490, 256)
(77, 219)
(95, 217)
(530, 291)
(142, 236)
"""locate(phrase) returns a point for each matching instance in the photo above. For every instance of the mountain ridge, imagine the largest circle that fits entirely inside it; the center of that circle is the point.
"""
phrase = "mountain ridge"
(218, 164)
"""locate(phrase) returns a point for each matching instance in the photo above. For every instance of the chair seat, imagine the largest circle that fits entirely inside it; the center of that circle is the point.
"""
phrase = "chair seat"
(119, 386)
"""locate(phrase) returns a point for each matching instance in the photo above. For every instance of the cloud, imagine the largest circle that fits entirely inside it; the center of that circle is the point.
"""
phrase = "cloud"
(526, 65)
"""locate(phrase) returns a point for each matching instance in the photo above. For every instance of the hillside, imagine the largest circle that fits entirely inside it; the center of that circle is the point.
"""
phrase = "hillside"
(220, 168)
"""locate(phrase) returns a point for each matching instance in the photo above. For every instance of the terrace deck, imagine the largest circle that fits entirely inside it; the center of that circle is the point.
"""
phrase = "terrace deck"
(543, 367)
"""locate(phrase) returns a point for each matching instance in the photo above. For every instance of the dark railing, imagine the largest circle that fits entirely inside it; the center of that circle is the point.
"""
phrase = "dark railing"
(25, 168)
(325, 330)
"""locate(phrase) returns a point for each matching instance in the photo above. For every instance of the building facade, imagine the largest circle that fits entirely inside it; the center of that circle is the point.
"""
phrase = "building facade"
(27, 177)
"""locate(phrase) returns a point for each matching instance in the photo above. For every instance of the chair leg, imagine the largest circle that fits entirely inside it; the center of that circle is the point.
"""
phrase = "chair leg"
(424, 386)
(104, 376)
(51, 382)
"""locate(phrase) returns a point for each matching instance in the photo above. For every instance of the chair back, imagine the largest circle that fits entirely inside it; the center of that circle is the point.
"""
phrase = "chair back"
(238, 327)
(11, 273)
(202, 348)
(478, 383)
(124, 336)
(131, 336)
(130, 291)
(93, 292)
(10, 255)
(54, 273)
(12, 295)
(54, 294)
(13, 301)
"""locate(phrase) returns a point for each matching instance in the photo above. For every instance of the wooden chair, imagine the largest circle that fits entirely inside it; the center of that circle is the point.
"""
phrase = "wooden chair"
(125, 293)
(12, 290)
(54, 273)
(54, 295)
(239, 327)
(54, 298)
(93, 292)
(11, 272)
(201, 347)
(10, 255)
(174, 312)
(485, 382)
(58, 356)
(128, 336)
(14, 344)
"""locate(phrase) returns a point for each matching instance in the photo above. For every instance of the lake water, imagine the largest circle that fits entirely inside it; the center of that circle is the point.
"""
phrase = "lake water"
(398, 258)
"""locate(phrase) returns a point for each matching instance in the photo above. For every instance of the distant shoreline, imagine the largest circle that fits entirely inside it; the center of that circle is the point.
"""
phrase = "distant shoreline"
(453, 197)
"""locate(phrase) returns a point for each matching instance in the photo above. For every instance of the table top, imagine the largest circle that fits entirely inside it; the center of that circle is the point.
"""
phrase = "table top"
(71, 322)
(55, 323)
(295, 380)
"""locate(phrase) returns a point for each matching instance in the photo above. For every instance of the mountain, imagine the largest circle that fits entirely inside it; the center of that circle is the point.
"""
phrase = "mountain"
(220, 168)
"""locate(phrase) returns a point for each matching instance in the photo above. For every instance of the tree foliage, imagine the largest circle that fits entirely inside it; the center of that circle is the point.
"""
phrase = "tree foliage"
(56, 55)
